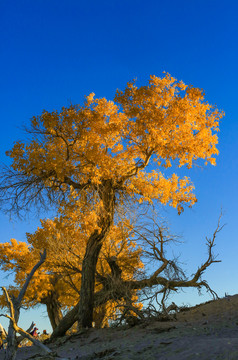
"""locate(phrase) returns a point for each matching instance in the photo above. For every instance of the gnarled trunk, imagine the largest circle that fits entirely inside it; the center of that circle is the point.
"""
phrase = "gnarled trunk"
(53, 308)
(86, 305)
(68, 320)
(88, 280)
(83, 311)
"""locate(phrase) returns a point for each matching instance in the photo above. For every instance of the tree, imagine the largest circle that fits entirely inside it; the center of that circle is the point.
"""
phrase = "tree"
(95, 155)
(57, 284)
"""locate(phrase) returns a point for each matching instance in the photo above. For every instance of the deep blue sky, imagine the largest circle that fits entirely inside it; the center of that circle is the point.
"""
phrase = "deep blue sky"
(55, 52)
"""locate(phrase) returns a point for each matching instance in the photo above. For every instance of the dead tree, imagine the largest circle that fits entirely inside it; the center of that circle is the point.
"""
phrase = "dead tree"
(169, 277)
(14, 305)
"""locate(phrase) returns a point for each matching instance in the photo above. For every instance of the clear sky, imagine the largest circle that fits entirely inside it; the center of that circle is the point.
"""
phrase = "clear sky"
(55, 52)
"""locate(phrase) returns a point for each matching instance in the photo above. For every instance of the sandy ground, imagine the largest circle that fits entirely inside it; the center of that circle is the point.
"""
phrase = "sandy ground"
(208, 331)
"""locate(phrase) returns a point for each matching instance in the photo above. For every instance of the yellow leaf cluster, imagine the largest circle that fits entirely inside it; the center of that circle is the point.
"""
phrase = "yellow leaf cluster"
(65, 242)
(165, 120)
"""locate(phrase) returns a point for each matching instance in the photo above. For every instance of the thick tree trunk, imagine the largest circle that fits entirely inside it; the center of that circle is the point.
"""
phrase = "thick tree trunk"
(86, 305)
(68, 320)
(83, 311)
(88, 281)
(53, 309)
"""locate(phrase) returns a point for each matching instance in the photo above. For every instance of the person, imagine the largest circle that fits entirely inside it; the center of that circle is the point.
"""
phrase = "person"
(34, 332)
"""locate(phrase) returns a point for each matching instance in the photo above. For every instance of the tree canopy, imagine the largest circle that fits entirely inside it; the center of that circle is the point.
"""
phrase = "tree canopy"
(74, 150)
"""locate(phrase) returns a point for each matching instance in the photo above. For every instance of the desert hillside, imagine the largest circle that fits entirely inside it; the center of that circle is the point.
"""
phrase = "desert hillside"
(206, 331)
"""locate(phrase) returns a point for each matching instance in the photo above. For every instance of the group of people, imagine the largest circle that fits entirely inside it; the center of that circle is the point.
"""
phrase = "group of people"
(3, 335)
(35, 334)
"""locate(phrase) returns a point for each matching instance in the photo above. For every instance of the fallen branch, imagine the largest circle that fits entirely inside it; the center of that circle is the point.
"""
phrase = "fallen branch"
(20, 338)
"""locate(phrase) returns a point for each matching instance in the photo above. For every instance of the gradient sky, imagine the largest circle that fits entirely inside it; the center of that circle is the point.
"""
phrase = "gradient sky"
(55, 52)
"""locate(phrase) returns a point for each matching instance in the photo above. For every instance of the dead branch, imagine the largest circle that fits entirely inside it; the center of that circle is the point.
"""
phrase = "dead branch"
(29, 277)
(26, 335)
(14, 305)
(168, 277)
(20, 338)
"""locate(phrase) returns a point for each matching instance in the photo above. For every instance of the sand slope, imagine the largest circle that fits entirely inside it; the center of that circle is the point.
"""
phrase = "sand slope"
(207, 331)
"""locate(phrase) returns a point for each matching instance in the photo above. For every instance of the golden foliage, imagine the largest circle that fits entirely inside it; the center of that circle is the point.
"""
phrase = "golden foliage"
(61, 273)
(79, 147)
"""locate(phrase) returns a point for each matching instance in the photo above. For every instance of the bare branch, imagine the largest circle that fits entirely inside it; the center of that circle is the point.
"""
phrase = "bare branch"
(9, 303)
(20, 338)
(140, 165)
(29, 277)
(14, 307)
(25, 334)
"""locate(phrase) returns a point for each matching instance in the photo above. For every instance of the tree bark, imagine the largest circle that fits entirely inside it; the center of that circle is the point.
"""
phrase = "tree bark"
(68, 320)
(86, 304)
(83, 311)
(88, 280)
(20, 338)
(53, 309)
(12, 345)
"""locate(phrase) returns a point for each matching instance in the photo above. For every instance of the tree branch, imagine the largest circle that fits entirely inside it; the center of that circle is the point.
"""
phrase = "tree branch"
(29, 277)
(9, 302)
(26, 335)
